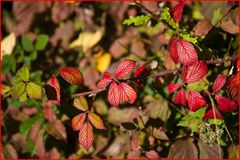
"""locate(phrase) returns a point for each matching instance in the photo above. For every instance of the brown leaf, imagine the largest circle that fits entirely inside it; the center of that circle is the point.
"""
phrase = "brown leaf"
(134, 154)
(60, 11)
(183, 148)
(202, 27)
(57, 129)
(91, 75)
(159, 134)
(137, 48)
(229, 26)
(53, 153)
(24, 13)
(208, 152)
(19, 142)
(9, 151)
(152, 154)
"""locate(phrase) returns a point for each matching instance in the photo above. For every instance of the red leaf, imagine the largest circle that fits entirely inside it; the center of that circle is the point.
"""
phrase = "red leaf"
(177, 12)
(113, 94)
(172, 87)
(234, 87)
(124, 68)
(238, 63)
(77, 121)
(103, 83)
(96, 121)
(127, 93)
(141, 72)
(107, 75)
(186, 52)
(209, 114)
(72, 75)
(219, 83)
(86, 136)
(225, 104)
(173, 49)
(195, 101)
(195, 72)
(53, 82)
(180, 98)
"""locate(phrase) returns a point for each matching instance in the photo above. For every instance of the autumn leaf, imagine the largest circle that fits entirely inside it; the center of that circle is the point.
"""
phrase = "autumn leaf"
(55, 97)
(127, 93)
(87, 40)
(195, 101)
(177, 11)
(72, 75)
(113, 94)
(225, 104)
(86, 136)
(186, 52)
(124, 68)
(209, 114)
(96, 121)
(172, 87)
(103, 62)
(81, 103)
(195, 72)
(103, 83)
(219, 83)
(180, 98)
(77, 121)
(8, 44)
(234, 87)
(173, 49)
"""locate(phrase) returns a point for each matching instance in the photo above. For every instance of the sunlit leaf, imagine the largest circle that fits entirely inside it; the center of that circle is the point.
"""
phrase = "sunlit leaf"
(195, 72)
(186, 52)
(81, 103)
(127, 93)
(72, 75)
(124, 68)
(87, 40)
(96, 121)
(113, 94)
(86, 136)
(8, 44)
(103, 62)
(23, 73)
(18, 90)
(77, 121)
(34, 90)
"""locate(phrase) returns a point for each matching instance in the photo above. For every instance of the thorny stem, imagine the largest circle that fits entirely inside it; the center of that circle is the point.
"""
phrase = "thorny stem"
(160, 74)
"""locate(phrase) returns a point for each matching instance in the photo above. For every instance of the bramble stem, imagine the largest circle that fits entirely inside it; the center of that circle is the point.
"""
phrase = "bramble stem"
(160, 74)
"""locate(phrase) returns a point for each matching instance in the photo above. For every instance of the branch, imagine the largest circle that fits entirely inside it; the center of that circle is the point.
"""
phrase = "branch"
(161, 73)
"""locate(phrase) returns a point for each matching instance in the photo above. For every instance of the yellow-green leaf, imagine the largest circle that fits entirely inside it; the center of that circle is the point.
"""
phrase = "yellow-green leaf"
(5, 88)
(18, 89)
(23, 97)
(81, 103)
(24, 73)
(34, 90)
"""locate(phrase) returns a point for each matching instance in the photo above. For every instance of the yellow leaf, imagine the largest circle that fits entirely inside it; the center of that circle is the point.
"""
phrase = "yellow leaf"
(8, 44)
(103, 62)
(87, 40)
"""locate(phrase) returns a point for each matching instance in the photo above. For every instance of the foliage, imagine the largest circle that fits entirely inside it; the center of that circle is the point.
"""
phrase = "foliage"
(153, 80)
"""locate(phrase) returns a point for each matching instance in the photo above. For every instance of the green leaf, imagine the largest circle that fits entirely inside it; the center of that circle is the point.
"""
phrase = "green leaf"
(190, 122)
(199, 86)
(188, 37)
(31, 147)
(41, 42)
(216, 16)
(23, 97)
(26, 125)
(137, 21)
(18, 90)
(8, 63)
(33, 55)
(27, 44)
(199, 113)
(23, 73)
(215, 121)
(34, 90)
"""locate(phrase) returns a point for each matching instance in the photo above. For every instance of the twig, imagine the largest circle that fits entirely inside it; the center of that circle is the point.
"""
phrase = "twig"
(160, 74)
